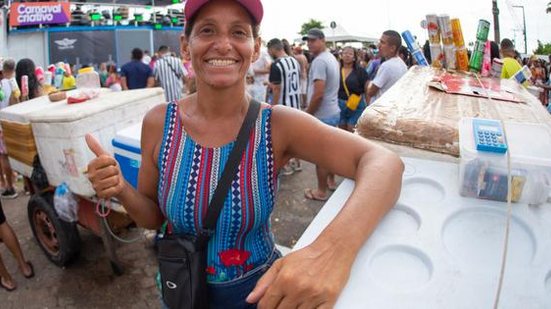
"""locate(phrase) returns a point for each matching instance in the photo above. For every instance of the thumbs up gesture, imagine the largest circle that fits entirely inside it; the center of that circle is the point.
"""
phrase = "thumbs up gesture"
(104, 172)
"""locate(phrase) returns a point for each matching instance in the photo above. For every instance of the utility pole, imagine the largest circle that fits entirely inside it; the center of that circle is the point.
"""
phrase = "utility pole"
(523, 27)
(495, 11)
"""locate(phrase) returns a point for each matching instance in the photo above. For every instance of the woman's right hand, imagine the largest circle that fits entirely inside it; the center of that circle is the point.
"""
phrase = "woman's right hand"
(104, 172)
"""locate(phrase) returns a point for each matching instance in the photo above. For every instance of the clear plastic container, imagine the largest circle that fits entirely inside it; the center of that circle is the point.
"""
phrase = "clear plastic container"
(522, 75)
(88, 78)
(484, 174)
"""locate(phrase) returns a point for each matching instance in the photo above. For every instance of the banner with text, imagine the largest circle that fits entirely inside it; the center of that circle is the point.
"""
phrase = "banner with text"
(36, 13)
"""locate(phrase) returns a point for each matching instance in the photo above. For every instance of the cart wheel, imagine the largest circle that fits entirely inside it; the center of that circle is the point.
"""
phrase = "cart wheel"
(58, 239)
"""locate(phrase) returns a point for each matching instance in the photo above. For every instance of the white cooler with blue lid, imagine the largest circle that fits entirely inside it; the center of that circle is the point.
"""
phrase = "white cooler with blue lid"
(127, 149)
(59, 132)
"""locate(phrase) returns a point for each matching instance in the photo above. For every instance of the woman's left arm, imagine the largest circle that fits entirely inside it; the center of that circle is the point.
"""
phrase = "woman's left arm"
(314, 276)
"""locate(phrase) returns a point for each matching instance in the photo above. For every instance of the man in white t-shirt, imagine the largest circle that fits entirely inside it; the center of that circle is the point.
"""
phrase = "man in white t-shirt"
(391, 70)
(260, 71)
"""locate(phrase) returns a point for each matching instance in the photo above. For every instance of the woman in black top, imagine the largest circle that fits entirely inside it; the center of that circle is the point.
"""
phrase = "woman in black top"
(353, 80)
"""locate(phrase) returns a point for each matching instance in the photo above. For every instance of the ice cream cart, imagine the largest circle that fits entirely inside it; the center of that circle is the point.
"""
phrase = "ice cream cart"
(45, 143)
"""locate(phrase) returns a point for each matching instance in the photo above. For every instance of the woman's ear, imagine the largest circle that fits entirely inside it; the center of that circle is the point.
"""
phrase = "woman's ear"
(184, 47)
(256, 53)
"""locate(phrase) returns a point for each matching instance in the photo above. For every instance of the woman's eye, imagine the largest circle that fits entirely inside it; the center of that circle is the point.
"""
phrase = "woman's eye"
(240, 33)
(206, 31)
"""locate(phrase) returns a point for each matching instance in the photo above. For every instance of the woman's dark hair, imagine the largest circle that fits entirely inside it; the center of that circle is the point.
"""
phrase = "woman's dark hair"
(405, 53)
(111, 68)
(367, 56)
(287, 47)
(26, 67)
(189, 25)
(308, 55)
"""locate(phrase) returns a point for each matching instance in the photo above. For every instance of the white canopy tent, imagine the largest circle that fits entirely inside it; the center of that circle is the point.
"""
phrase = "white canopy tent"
(339, 34)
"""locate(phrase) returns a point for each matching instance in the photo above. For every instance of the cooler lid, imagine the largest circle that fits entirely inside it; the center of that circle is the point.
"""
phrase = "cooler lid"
(106, 100)
(130, 136)
(20, 112)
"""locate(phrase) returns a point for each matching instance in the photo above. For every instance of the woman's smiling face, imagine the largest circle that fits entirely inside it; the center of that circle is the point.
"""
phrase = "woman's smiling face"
(221, 44)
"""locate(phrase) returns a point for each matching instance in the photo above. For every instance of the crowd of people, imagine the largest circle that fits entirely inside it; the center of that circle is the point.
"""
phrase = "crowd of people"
(541, 71)
(334, 85)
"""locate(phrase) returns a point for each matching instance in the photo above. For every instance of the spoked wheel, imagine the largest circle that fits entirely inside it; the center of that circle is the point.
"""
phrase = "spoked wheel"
(45, 232)
(58, 239)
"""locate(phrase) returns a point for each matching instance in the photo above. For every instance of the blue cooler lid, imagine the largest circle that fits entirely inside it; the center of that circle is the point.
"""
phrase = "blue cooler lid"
(129, 138)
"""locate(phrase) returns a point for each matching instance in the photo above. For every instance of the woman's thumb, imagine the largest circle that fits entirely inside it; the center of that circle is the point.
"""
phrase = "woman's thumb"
(94, 145)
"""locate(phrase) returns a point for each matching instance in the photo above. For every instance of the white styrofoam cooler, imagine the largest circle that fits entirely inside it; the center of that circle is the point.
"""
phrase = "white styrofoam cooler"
(20, 113)
(436, 249)
(59, 132)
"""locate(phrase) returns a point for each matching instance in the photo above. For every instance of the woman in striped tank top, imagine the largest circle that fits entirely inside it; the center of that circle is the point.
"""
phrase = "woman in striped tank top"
(185, 146)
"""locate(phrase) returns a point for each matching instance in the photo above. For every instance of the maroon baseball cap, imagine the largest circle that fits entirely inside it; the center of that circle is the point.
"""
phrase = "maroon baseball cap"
(254, 7)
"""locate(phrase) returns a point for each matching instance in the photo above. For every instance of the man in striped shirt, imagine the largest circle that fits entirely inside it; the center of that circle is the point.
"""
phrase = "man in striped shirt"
(284, 76)
(285, 84)
(169, 72)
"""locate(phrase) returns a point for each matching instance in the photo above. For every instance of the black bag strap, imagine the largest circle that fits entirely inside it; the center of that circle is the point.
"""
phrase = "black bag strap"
(220, 193)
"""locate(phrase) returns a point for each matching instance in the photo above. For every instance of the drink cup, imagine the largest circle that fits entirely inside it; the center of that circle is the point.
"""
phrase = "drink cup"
(433, 29)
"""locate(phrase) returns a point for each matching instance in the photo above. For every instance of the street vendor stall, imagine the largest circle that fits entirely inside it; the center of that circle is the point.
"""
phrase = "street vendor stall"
(440, 247)
(45, 141)
(416, 114)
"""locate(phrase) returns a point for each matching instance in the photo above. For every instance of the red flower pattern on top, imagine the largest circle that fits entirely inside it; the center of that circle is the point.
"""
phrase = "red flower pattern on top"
(211, 270)
(234, 257)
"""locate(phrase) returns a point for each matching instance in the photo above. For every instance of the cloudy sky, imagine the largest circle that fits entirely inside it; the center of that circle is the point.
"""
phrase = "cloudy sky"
(283, 18)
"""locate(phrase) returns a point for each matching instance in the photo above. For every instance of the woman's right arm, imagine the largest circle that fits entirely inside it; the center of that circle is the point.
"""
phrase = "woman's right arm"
(107, 179)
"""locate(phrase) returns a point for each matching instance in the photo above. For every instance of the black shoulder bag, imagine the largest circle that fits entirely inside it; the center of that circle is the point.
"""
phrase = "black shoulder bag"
(182, 258)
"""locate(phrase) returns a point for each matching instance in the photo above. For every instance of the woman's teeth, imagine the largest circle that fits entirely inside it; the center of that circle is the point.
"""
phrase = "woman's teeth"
(220, 62)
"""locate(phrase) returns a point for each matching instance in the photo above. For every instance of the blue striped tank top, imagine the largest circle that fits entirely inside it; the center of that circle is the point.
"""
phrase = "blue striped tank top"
(188, 175)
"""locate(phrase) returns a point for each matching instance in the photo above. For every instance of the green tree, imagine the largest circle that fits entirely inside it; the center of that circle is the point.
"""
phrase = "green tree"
(548, 10)
(312, 23)
(543, 49)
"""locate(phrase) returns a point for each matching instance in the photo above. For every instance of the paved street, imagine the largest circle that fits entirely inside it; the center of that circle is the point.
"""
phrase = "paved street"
(90, 283)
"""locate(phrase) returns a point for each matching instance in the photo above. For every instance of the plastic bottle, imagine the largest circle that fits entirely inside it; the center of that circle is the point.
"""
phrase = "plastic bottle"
(58, 78)
(48, 78)
(88, 78)
(15, 92)
(497, 66)
(414, 48)
(24, 87)
(486, 61)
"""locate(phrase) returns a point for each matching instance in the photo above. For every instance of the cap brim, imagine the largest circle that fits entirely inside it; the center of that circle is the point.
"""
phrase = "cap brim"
(310, 37)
